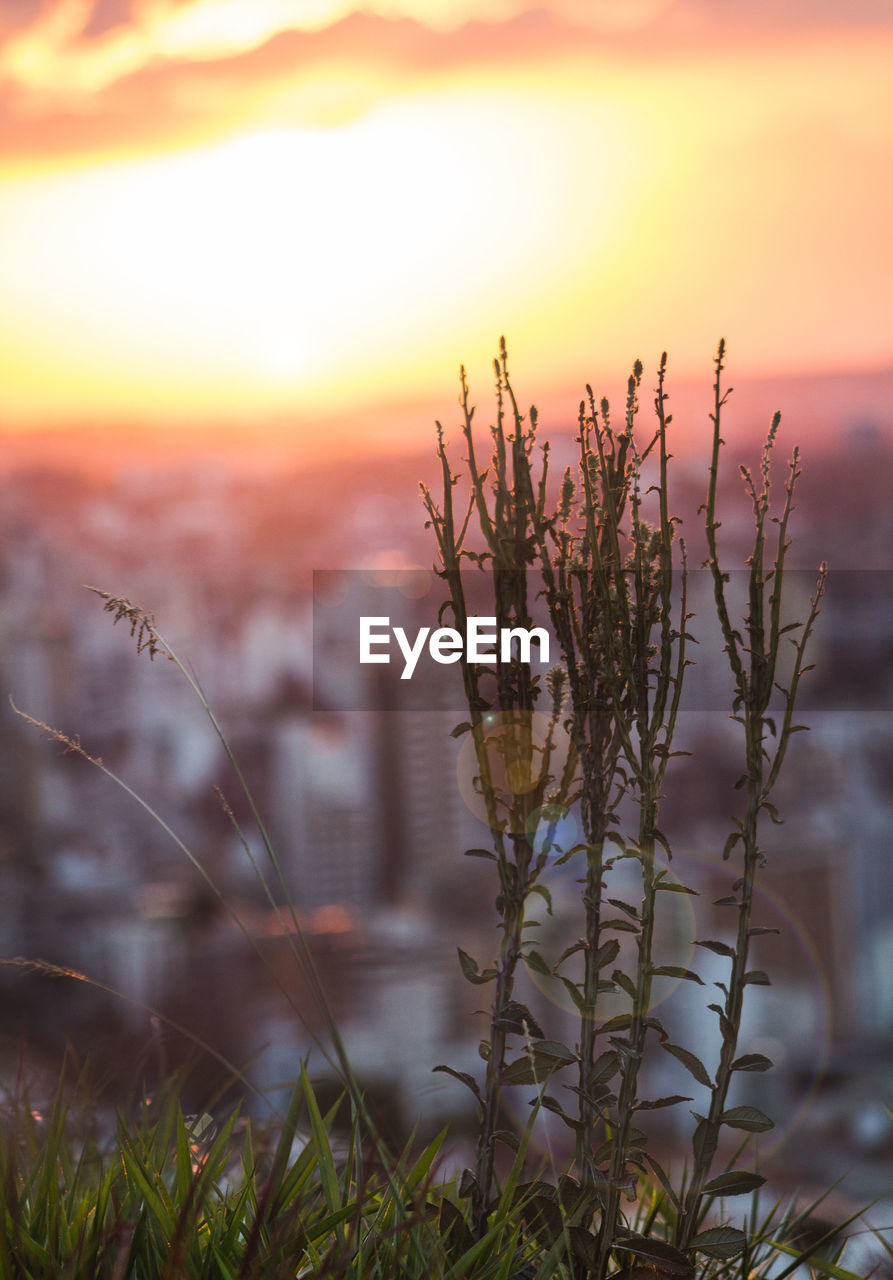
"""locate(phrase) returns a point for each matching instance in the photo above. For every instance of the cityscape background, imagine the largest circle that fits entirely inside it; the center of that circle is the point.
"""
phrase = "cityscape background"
(369, 801)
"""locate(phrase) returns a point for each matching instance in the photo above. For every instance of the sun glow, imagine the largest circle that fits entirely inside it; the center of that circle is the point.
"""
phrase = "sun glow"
(268, 264)
(592, 212)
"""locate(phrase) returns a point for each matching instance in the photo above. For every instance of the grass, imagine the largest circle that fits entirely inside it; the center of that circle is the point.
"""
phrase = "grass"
(167, 1195)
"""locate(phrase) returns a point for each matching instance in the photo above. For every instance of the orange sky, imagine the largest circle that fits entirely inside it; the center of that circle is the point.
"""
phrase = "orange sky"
(241, 210)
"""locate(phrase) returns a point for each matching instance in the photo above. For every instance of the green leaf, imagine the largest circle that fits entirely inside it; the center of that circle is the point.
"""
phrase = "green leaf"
(523, 1071)
(535, 961)
(555, 1051)
(464, 727)
(325, 1159)
(583, 1247)
(749, 1118)
(517, 1018)
(481, 853)
(464, 1078)
(543, 1218)
(660, 1102)
(535, 1068)
(720, 1242)
(675, 971)
(544, 894)
(623, 926)
(625, 983)
(574, 992)
(607, 953)
(752, 1062)
(721, 948)
(704, 1140)
(730, 845)
(622, 1022)
(821, 1265)
(663, 1178)
(656, 1253)
(453, 1227)
(470, 969)
(576, 1200)
(728, 1031)
(757, 978)
(692, 1063)
(773, 813)
(735, 1183)
(579, 945)
(607, 1064)
(552, 1104)
(507, 1138)
(674, 886)
(525, 1192)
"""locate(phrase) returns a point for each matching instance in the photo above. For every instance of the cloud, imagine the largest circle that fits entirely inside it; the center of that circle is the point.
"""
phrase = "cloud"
(106, 16)
(115, 100)
(81, 76)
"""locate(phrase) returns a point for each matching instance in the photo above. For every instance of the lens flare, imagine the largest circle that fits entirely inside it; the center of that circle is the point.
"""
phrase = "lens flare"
(511, 766)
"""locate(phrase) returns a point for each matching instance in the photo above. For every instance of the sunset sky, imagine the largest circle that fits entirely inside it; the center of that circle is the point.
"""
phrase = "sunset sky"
(244, 209)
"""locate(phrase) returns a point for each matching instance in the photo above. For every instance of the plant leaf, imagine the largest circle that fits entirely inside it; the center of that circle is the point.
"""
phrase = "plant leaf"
(674, 886)
(656, 1253)
(735, 1183)
(470, 969)
(721, 948)
(522, 1071)
(517, 1018)
(625, 983)
(579, 945)
(607, 953)
(583, 1247)
(730, 845)
(660, 1102)
(573, 991)
(692, 1063)
(544, 894)
(535, 961)
(720, 1242)
(749, 1118)
(676, 971)
(752, 1062)
(464, 1078)
(552, 1104)
(623, 926)
(554, 1051)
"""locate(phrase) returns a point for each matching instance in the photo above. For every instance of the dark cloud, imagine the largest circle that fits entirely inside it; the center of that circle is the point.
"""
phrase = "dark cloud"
(106, 16)
(17, 14)
(768, 15)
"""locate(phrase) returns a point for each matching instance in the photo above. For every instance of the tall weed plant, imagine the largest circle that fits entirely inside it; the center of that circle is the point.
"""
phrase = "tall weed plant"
(605, 553)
